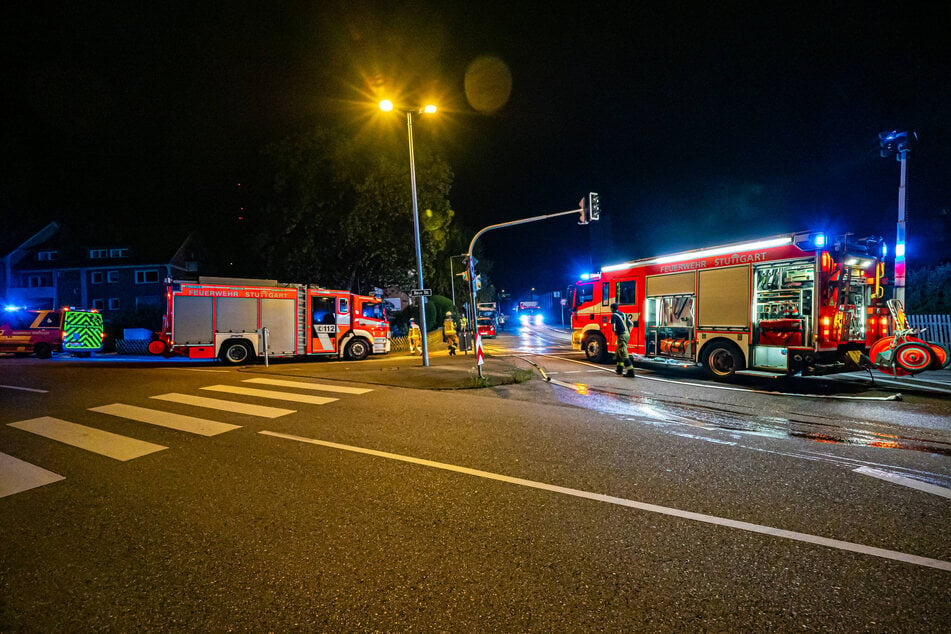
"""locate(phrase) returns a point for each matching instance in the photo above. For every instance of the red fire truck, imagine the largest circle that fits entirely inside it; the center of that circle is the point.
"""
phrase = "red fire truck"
(237, 320)
(786, 304)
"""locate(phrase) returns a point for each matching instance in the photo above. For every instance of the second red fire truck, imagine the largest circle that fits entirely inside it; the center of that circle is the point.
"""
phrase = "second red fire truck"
(238, 321)
(787, 304)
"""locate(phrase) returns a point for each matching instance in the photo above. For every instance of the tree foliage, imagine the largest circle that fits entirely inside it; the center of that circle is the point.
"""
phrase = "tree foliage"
(928, 291)
(338, 213)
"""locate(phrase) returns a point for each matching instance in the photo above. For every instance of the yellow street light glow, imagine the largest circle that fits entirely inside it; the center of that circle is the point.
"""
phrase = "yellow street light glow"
(429, 109)
(386, 105)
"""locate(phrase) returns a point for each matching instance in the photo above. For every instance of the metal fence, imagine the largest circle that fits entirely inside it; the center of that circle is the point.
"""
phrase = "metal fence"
(937, 328)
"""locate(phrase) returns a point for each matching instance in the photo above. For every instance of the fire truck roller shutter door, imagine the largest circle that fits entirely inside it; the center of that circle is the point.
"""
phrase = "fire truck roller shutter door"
(192, 322)
(724, 298)
(236, 314)
(279, 316)
(673, 284)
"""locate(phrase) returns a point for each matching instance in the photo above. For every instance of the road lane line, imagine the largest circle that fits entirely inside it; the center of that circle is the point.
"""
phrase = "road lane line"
(25, 389)
(262, 411)
(888, 476)
(17, 476)
(340, 389)
(279, 396)
(643, 506)
(89, 438)
(178, 422)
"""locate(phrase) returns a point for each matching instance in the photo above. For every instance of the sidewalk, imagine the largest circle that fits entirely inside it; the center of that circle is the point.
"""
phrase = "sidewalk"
(401, 369)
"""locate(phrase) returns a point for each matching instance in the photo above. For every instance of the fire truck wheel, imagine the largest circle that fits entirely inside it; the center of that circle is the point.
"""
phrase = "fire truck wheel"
(357, 349)
(595, 349)
(236, 353)
(722, 359)
(914, 357)
(43, 351)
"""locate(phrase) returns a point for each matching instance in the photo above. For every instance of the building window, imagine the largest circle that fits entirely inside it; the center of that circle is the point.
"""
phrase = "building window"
(146, 277)
(113, 303)
(47, 256)
(119, 253)
(38, 281)
(95, 277)
(98, 254)
(113, 277)
(98, 304)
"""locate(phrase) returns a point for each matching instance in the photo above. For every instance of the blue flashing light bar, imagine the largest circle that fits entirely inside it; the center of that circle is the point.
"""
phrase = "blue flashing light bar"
(900, 250)
(819, 240)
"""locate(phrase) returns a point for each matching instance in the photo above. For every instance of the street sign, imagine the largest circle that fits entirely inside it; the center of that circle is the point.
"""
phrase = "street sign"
(420, 292)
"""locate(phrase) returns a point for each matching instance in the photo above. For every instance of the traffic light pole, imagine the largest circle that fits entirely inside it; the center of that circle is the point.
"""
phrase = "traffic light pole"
(470, 262)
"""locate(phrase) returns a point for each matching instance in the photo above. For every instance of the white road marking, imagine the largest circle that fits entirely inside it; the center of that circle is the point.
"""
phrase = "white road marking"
(643, 506)
(197, 370)
(179, 422)
(888, 476)
(89, 438)
(311, 386)
(262, 411)
(17, 475)
(279, 396)
(25, 389)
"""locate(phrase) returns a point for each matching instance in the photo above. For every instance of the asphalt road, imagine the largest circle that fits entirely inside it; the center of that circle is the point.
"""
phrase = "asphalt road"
(539, 506)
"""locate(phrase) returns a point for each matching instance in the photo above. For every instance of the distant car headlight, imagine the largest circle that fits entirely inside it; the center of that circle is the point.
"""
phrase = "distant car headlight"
(523, 319)
(539, 320)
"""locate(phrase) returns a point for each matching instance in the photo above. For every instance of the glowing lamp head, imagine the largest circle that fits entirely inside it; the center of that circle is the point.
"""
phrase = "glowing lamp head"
(523, 319)
(429, 109)
(539, 320)
(386, 105)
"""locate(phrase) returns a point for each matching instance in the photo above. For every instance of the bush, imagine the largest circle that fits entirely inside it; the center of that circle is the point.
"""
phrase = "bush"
(436, 307)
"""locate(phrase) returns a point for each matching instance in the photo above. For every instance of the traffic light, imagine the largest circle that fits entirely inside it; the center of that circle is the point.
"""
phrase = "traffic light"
(594, 207)
(583, 203)
(478, 281)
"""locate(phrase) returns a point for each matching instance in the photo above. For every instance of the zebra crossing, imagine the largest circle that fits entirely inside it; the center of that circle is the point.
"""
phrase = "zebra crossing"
(18, 475)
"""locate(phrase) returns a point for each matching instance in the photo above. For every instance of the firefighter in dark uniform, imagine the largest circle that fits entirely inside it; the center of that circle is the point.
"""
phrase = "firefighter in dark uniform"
(622, 329)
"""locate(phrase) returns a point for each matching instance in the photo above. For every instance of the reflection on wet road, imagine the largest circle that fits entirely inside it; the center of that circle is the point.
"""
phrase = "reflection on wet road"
(717, 425)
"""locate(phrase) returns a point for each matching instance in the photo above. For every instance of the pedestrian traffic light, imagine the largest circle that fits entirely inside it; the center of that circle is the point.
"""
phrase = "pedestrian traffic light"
(594, 206)
(478, 281)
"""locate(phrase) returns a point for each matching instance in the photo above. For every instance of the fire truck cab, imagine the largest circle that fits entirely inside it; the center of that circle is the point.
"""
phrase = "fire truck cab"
(782, 305)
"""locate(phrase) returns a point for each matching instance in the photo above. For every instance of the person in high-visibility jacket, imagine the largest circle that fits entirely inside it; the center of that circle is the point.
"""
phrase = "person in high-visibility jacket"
(415, 338)
(622, 329)
(449, 334)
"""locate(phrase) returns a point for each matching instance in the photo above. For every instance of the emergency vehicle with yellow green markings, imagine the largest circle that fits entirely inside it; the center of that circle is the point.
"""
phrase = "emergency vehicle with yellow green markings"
(43, 332)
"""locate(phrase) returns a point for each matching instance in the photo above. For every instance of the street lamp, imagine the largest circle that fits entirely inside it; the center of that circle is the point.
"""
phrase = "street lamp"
(899, 143)
(387, 106)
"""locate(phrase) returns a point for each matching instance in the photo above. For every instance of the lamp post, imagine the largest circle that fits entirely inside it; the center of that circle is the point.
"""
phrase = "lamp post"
(386, 105)
(899, 143)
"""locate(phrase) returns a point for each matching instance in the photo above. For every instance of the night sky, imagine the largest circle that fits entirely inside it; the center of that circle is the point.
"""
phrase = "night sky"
(696, 123)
